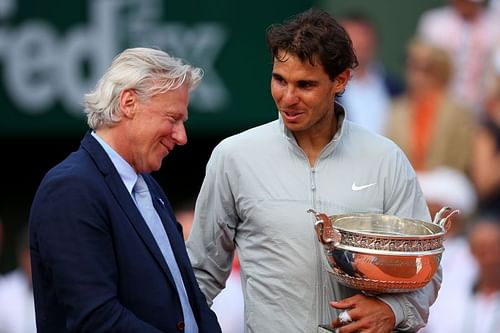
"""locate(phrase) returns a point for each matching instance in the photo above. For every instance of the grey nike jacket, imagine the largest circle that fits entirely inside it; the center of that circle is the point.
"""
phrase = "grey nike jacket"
(254, 198)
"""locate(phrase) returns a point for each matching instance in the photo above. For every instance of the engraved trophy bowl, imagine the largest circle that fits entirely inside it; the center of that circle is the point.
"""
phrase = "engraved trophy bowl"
(378, 253)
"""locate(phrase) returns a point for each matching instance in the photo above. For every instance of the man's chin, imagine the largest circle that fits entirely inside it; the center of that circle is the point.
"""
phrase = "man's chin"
(155, 166)
(293, 126)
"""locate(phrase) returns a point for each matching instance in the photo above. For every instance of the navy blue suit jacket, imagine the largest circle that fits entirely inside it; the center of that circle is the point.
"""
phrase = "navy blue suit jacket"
(96, 266)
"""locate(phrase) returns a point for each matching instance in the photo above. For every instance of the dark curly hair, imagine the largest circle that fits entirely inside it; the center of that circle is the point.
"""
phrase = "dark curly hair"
(311, 35)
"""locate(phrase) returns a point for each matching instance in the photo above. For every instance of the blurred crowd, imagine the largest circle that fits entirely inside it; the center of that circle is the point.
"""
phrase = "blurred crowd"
(445, 115)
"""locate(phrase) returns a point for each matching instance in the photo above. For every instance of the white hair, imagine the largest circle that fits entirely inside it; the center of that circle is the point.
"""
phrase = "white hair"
(147, 71)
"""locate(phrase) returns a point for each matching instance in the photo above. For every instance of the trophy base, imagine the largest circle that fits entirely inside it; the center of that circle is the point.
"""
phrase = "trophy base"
(326, 329)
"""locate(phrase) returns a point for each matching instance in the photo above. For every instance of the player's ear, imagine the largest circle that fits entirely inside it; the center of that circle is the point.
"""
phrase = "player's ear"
(341, 80)
(128, 102)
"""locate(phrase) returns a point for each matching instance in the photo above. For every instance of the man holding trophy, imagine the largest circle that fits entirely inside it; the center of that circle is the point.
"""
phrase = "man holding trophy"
(260, 184)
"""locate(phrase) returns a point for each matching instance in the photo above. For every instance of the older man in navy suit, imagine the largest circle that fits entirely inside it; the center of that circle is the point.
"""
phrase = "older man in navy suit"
(107, 252)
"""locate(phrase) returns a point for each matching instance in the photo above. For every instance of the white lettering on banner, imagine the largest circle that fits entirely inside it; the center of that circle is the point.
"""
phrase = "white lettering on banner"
(29, 66)
(42, 67)
(200, 45)
(97, 44)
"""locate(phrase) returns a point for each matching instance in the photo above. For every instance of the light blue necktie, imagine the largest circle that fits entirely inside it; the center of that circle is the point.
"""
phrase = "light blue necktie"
(145, 205)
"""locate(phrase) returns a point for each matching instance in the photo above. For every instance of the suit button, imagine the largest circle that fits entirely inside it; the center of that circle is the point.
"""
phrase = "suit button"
(181, 325)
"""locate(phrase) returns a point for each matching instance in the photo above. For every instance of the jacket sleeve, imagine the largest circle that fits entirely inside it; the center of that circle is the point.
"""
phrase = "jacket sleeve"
(412, 309)
(72, 253)
(405, 198)
(211, 241)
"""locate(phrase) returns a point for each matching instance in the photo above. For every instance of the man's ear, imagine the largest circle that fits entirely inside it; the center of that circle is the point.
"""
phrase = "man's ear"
(341, 80)
(128, 102)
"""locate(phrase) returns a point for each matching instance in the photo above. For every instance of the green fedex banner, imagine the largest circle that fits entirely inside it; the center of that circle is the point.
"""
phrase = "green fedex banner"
(52, 52)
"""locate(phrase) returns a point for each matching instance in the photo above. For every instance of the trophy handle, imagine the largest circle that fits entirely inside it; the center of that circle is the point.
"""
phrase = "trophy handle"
(443, 217)
(326, 234)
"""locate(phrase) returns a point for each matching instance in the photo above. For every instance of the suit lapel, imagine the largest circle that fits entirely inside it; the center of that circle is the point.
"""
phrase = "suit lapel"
(122, 196)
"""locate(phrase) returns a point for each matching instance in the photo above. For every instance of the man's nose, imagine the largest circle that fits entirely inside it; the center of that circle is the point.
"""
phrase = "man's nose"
(290, 96)
(179, 134)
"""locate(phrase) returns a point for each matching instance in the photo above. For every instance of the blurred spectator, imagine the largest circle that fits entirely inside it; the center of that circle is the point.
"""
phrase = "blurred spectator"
(495, 6)
(368, 93)
(485, 170)
(17, 309)
(451, 188)
(184, 214)
(228, 305)
(481, 312)
(467, 30)
(428, 123)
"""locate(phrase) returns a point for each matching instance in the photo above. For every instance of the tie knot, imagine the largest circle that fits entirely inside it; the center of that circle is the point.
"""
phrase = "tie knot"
(140, 185)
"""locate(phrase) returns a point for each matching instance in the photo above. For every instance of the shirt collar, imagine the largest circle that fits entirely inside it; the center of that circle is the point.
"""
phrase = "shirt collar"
(125, 170)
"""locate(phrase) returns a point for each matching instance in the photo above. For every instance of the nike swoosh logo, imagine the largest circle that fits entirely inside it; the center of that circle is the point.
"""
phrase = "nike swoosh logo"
(361, 187)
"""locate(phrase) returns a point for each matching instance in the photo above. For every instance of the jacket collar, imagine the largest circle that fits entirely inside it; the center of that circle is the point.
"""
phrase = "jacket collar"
(340, 113)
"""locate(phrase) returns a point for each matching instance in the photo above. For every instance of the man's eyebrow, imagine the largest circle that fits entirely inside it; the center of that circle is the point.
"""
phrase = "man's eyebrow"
(308, 82)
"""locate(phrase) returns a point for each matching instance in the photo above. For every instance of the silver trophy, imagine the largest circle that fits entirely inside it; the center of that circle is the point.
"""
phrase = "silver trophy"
(378, 253)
